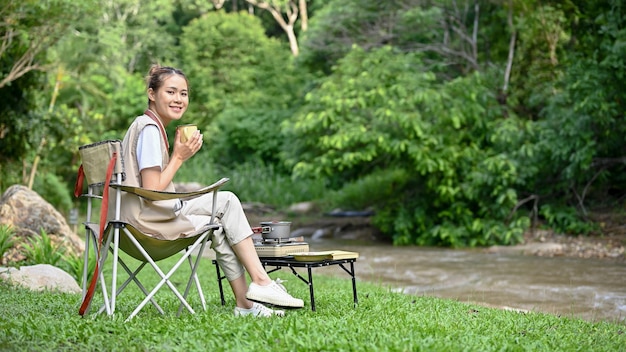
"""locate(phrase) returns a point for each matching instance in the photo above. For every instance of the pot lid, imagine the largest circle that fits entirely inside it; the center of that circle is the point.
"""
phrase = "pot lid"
(275, 222)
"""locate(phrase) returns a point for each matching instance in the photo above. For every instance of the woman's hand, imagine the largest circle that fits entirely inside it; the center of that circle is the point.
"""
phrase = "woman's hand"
(157, 179)
(186, 150)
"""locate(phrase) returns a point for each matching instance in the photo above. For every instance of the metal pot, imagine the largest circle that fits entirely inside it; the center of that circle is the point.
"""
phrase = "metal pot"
(276, 229)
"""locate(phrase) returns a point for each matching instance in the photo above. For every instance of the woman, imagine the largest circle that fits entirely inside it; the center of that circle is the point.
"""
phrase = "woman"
(148, 164)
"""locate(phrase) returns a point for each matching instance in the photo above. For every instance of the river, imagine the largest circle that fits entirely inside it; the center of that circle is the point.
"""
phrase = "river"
(590, 289)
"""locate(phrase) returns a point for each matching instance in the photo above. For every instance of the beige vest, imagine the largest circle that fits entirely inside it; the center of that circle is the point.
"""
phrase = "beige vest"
(159, 218)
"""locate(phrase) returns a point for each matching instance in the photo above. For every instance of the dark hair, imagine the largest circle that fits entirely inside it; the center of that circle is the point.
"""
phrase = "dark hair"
(158, 74)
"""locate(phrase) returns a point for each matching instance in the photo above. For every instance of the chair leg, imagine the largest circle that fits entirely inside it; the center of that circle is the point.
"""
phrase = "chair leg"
(103, 257)
(88, 236)
(112, 245)
(116, 246)
(165, 278)
(132, 276)
(194, 276)
(193, 279)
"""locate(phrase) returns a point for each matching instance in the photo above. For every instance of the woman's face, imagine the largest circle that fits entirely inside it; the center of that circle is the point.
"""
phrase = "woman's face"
(171, 100)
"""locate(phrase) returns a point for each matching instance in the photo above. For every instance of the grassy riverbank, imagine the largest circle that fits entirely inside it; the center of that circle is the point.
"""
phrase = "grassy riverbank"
(383, 320)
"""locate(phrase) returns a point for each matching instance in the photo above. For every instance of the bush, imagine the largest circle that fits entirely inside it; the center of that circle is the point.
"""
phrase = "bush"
(73, 265)
(51, 188)
(7, 239)
(369, 191)
(562, 219)
(40, 250)
(254, 181)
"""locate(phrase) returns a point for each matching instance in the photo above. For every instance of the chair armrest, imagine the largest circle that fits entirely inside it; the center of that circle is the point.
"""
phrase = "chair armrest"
(153, 195)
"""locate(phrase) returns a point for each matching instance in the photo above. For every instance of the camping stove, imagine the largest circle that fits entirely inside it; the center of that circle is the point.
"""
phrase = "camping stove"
(279, 247)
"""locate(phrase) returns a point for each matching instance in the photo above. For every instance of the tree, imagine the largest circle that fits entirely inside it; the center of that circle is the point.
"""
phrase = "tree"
(382, 112)
(290, 8)
(580, 133)
(105, 62)
(95, 74)
(28, 28)
(304, 15)
(339, 25)
(243, 85)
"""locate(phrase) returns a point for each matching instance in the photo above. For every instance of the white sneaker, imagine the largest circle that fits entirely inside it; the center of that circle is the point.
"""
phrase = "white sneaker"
(274, 293)
(258, 310)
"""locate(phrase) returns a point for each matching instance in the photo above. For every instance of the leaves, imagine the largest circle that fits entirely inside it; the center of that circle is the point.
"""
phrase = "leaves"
(375, 114)
(393, 95)
(7, 240)
(41, 250)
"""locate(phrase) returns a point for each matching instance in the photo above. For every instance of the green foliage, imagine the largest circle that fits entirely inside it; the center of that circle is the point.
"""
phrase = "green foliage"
(32, 28)
(584, 127)
(365, 23)
(10, 174)
(73, 264)
(7, 239)
(41, 250)
(263, 183)
(353, 120)
(54, 191)
(380, 110)
(396, 98)
(542, 42)
(579, 140)
(249, 135)
(565, 220)
(370, 190)
(16, 121)
(254, 181)
(454, 39)
(231, 64)
(243, 85)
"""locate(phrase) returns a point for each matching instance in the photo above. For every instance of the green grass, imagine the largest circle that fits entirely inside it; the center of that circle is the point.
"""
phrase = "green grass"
(383, 320)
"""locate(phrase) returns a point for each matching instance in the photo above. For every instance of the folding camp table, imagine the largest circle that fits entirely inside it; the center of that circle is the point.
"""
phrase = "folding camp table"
(289, 262)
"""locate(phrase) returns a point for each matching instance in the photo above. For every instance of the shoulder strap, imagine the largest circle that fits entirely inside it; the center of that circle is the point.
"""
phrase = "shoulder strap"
(153, 116)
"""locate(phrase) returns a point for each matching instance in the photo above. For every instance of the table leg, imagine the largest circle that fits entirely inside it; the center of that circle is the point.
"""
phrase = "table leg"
(277, 266)
(356, 300)
(309, 282)
(219, 282)
(311, 290)
(351, 273)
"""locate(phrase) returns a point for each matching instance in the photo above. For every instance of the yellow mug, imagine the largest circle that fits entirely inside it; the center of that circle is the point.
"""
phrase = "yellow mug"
(186, 131)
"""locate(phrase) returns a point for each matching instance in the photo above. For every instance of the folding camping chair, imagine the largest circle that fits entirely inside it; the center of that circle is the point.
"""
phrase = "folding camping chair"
(103, 168)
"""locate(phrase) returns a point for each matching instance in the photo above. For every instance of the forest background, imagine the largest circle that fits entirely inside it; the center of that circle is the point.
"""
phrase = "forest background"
(457, 122)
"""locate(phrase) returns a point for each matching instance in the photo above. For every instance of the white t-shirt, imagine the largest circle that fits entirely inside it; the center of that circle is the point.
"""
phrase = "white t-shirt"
(149, 148)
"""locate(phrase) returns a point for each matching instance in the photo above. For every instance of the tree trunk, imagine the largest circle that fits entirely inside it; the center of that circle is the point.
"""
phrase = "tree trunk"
(304, 16)
(291, 11)
(509, 62)
(293, 41)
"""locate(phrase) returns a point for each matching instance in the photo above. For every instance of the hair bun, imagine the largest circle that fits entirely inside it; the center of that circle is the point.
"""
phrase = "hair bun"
(154, 69)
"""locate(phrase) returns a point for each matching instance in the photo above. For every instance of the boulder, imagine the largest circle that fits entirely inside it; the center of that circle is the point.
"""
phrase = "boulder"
(41, 277)
(28, 214)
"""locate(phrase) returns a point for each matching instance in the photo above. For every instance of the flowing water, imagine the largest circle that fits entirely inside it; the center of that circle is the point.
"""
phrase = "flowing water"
(582, 288)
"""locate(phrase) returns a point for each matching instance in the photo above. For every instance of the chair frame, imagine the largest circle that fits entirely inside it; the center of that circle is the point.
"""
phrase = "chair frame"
(120, 235)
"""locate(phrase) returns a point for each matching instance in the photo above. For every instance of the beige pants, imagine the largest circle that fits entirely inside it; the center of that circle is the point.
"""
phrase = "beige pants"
(235, 227)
